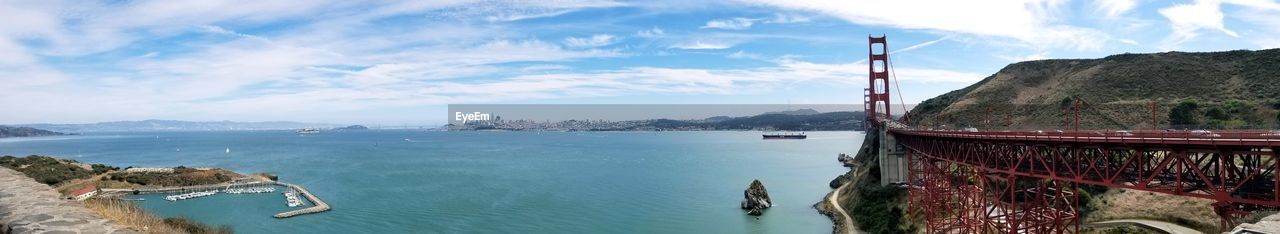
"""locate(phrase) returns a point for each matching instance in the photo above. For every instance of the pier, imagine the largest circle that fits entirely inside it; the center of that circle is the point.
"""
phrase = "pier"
(319, 206)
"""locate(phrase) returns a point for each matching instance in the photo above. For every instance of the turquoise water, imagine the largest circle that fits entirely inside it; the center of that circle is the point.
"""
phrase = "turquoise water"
(401, 181)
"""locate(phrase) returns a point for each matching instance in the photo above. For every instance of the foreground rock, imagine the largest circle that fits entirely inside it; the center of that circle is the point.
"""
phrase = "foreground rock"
(756, 198)
(27, 206)
(847, 160)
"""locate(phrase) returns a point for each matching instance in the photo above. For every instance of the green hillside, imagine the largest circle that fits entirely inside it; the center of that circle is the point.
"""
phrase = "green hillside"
(1218, 90)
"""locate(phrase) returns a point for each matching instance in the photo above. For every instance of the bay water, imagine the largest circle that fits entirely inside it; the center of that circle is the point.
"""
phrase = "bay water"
(410, 181)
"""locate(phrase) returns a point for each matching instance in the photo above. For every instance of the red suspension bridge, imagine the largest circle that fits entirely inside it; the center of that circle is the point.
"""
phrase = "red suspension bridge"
(984, 181)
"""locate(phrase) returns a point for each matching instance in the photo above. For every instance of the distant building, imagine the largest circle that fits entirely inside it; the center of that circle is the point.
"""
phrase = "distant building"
(85, 193)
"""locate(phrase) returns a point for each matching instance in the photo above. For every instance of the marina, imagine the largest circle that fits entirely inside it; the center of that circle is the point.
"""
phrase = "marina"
(294, 196)
(191, 195)
(249, 190)
(291, 199)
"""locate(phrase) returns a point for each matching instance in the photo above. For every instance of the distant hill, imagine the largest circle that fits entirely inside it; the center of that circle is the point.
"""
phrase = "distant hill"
(10, 131)
(352, 127)
(843, 120)
(1231, 89)
(175, 125)
(795, 112)
(830, 121)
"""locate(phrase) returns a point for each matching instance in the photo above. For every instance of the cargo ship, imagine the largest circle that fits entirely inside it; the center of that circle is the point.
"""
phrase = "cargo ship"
(769, 136)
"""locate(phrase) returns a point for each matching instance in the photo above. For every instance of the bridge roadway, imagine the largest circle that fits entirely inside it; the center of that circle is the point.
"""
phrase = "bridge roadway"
(1254, 138)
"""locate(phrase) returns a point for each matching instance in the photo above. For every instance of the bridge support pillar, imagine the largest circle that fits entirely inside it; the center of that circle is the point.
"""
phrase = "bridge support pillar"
(893, 165)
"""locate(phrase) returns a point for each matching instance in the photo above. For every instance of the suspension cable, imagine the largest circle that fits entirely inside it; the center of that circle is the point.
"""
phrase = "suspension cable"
(901, 101)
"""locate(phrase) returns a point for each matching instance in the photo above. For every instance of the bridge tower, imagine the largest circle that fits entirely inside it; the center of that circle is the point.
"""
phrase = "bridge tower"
(878, 67)
(893, 165)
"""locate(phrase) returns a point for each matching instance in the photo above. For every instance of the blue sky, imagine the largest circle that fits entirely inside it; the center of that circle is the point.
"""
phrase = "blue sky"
(401, 62)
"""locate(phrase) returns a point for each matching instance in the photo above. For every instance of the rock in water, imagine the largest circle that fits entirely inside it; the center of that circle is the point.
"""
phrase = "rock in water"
(846, 159)
(756, 198)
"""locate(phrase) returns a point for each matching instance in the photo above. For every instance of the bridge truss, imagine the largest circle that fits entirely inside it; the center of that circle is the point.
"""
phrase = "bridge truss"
(1028, 181)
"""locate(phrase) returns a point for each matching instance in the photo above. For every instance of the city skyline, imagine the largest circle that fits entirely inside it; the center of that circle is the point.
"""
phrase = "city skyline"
(403, 62)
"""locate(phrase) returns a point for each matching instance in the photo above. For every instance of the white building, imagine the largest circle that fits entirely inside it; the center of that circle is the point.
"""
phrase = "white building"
(84, 193)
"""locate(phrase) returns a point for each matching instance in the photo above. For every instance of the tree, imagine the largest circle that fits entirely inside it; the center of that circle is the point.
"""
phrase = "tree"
(1066, 102)
(1216, 113)
(1184, 114)
(1237, 107)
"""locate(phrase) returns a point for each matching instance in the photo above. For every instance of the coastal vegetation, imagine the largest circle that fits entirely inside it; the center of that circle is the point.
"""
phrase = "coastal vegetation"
(129, 214)
(66, 175)
(180, 176)
(1231, 114)
(874, 208)
(49, 170)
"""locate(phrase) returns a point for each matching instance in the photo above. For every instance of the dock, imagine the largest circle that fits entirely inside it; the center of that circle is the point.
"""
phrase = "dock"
(320, 206)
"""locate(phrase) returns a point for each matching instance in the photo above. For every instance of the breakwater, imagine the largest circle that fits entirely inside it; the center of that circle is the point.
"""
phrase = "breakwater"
(319, 206)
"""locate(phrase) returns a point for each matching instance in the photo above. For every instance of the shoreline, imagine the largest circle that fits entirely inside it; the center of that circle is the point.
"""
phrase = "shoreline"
(841, 222)
(841, 218)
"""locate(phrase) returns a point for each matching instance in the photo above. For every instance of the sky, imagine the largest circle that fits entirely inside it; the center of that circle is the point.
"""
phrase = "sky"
(403, 62)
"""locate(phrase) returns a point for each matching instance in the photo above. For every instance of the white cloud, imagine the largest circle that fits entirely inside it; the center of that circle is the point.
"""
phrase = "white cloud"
(1032, 22)
(1264, 17)
(516, 10)
(651, 33)
(1042, 55)
(1187, 20)
(597, 40)
(730, 24)
(779, 18)
(1114, 8)
(700, 45)
(921, 45)
(744, 55)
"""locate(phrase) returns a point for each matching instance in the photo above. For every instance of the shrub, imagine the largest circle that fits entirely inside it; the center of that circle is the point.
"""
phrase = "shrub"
(102, 168)
(1184, 113)
(1216, 113)
(1237, 107)
(45, 169)
(877, 211)
(194, 227)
